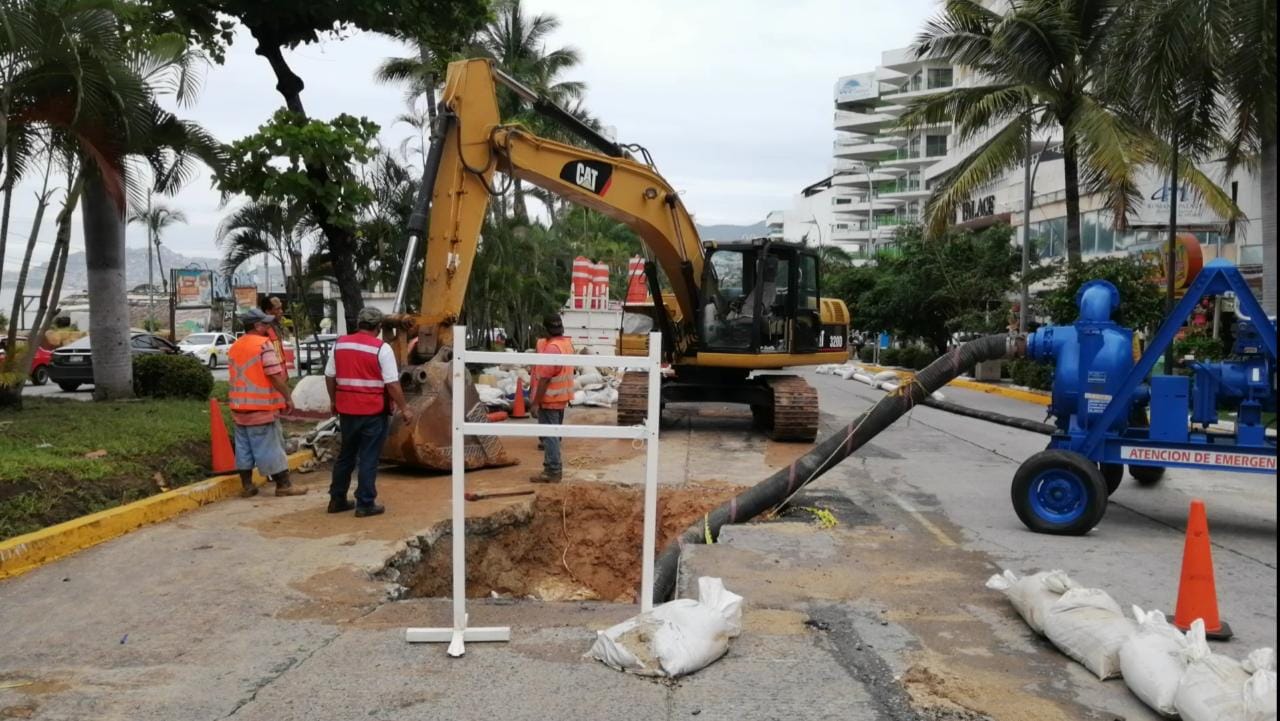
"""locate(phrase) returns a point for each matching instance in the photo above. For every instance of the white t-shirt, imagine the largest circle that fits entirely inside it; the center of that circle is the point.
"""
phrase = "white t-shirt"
(386, 362)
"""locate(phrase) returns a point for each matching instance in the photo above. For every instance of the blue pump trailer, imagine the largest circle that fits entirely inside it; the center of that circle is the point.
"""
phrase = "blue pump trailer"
(1108, 415)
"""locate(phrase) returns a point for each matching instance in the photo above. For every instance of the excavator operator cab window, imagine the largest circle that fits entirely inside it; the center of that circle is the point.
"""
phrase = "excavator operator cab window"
(808, 320)
(726, 321)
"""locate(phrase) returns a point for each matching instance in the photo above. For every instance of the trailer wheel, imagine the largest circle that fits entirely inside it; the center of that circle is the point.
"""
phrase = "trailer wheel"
(1147, 475)
(1059, 492)
(1113, 474)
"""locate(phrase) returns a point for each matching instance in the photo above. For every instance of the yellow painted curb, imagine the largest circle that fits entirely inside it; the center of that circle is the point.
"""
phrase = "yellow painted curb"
(32, 550)
(1020, 394)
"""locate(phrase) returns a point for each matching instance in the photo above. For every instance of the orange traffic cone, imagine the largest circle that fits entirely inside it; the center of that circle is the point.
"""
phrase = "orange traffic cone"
(224, 458)
(517, 406)
(1197, 596)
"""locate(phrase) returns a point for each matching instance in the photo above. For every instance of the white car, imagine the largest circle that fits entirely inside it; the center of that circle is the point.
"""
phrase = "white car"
(211, 348)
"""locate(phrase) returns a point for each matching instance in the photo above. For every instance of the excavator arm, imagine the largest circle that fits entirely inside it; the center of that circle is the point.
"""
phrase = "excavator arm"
(474, 143)
(470, 144)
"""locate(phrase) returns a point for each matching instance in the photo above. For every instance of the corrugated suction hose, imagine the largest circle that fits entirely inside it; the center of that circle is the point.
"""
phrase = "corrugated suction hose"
(775, 490)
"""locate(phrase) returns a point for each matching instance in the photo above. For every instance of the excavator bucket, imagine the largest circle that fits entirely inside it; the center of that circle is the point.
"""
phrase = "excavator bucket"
(426, 441)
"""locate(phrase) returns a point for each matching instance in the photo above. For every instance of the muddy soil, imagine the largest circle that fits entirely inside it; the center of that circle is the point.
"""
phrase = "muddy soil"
(574, 542)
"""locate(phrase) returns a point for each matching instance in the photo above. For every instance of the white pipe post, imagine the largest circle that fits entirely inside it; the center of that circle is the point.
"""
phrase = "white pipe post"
(652, 421)
(459, 510)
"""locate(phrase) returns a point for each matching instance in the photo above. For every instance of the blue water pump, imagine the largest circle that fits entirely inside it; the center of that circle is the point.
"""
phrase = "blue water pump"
(1101, 398)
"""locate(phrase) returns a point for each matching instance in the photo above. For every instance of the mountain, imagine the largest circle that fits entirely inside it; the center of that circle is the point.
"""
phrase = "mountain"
(732, 232)
(77, 275)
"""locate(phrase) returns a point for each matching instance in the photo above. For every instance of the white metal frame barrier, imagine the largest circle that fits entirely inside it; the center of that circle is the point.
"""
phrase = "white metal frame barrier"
(459, 633)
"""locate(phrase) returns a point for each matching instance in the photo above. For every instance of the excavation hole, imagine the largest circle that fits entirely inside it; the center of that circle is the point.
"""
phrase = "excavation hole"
(572, 542)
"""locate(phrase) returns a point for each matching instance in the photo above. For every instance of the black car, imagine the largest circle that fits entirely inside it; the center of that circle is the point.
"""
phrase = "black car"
(72, 364)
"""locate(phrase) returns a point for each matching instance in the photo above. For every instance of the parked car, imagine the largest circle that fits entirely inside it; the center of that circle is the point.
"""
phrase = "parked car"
(209, 348)
(72, 364)
(39, 364)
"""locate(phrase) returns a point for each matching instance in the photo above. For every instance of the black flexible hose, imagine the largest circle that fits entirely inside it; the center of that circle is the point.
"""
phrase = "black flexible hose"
(826, 454)
(992, 417)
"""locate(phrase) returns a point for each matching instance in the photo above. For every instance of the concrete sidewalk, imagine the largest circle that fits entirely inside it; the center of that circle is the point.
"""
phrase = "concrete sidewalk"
(270, 609)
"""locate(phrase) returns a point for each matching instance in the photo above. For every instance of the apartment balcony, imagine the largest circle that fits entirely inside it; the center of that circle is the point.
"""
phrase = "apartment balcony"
(775, 219)
(905, 190)
(875, 151)
(861, 180)
(860, 210)
(862, 122)
(902, 60)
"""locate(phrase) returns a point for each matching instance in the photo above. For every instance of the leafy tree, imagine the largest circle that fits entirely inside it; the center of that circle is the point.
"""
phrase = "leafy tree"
(930, 289)
(1141, 298)
(582, 231)
(444, 26)
(1045, 67)
(300, 163)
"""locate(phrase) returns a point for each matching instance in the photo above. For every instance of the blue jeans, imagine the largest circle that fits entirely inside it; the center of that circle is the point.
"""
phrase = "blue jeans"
(551, 446)
(362, 438)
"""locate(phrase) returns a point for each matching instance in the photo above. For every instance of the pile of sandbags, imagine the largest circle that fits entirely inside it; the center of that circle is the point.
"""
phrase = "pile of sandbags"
(591, 386)
(1176, 674)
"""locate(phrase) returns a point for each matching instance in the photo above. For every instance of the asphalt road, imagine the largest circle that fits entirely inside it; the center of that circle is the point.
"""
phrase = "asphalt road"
(962, 468)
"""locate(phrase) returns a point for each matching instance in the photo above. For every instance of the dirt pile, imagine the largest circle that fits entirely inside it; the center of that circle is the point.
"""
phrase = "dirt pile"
(581, 541)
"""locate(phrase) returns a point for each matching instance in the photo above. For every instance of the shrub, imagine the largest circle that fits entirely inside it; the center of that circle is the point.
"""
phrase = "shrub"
(916, 357)
(1031, 374)
(1201, 346)
(890, 356)
(171, 376)
(867, 353)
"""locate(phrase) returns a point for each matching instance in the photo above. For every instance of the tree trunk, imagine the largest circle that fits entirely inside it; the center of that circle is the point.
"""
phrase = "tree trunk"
(518, 210)
(51, 289)
(108, 300)
(341, 245)
(42, 202)
(1071, 172)
(1268, 172)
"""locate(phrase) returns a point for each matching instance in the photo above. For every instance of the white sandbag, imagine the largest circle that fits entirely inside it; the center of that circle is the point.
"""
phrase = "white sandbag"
(886, 376)
(846, 372)
(1032, 595)
(579, 397)
(1260, 690)
(585, 380)
(1087, 625)
(1212, 685)
(826, 369)
(603, 398)
(492, 396)
(886, 386)
(676, 638)
(1151, 661)
(937, 396)
(863, 378)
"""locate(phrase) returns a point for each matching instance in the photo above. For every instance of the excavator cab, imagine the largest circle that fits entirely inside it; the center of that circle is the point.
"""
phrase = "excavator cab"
(761, 297)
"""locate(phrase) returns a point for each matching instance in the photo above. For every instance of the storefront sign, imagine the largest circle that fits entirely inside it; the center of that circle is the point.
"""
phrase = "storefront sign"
(980, 208)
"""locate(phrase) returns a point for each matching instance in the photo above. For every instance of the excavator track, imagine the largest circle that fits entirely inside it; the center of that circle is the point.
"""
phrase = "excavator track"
(633, 398)
(794, 416)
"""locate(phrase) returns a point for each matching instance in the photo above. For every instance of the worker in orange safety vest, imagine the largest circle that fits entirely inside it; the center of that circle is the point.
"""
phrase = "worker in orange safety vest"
(553, 388)
(259, 390)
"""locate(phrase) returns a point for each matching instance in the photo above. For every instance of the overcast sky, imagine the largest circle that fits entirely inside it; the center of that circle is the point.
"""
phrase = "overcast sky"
(733, 98)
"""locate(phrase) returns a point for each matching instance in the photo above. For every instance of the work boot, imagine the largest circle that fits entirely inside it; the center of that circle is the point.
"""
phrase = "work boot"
(545, 477)
(247, 489)
(339, 505)
(373, 509)
(285, 487)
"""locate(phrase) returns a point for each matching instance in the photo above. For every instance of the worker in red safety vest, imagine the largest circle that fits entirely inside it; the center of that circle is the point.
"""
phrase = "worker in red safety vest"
(553, 388)
(259, 390)
(360, 375)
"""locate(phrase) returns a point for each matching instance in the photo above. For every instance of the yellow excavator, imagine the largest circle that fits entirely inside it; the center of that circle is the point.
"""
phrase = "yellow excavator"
(724, 310)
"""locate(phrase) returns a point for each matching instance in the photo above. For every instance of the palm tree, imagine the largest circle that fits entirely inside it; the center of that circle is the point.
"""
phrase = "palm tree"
(257, 229)
(517, 43)
(156, 219)
(1043, 65)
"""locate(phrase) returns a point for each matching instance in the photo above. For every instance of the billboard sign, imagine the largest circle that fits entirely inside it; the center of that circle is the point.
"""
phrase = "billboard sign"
(192, 287)
(857, 87)
(1157, 196)
(246, 297)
